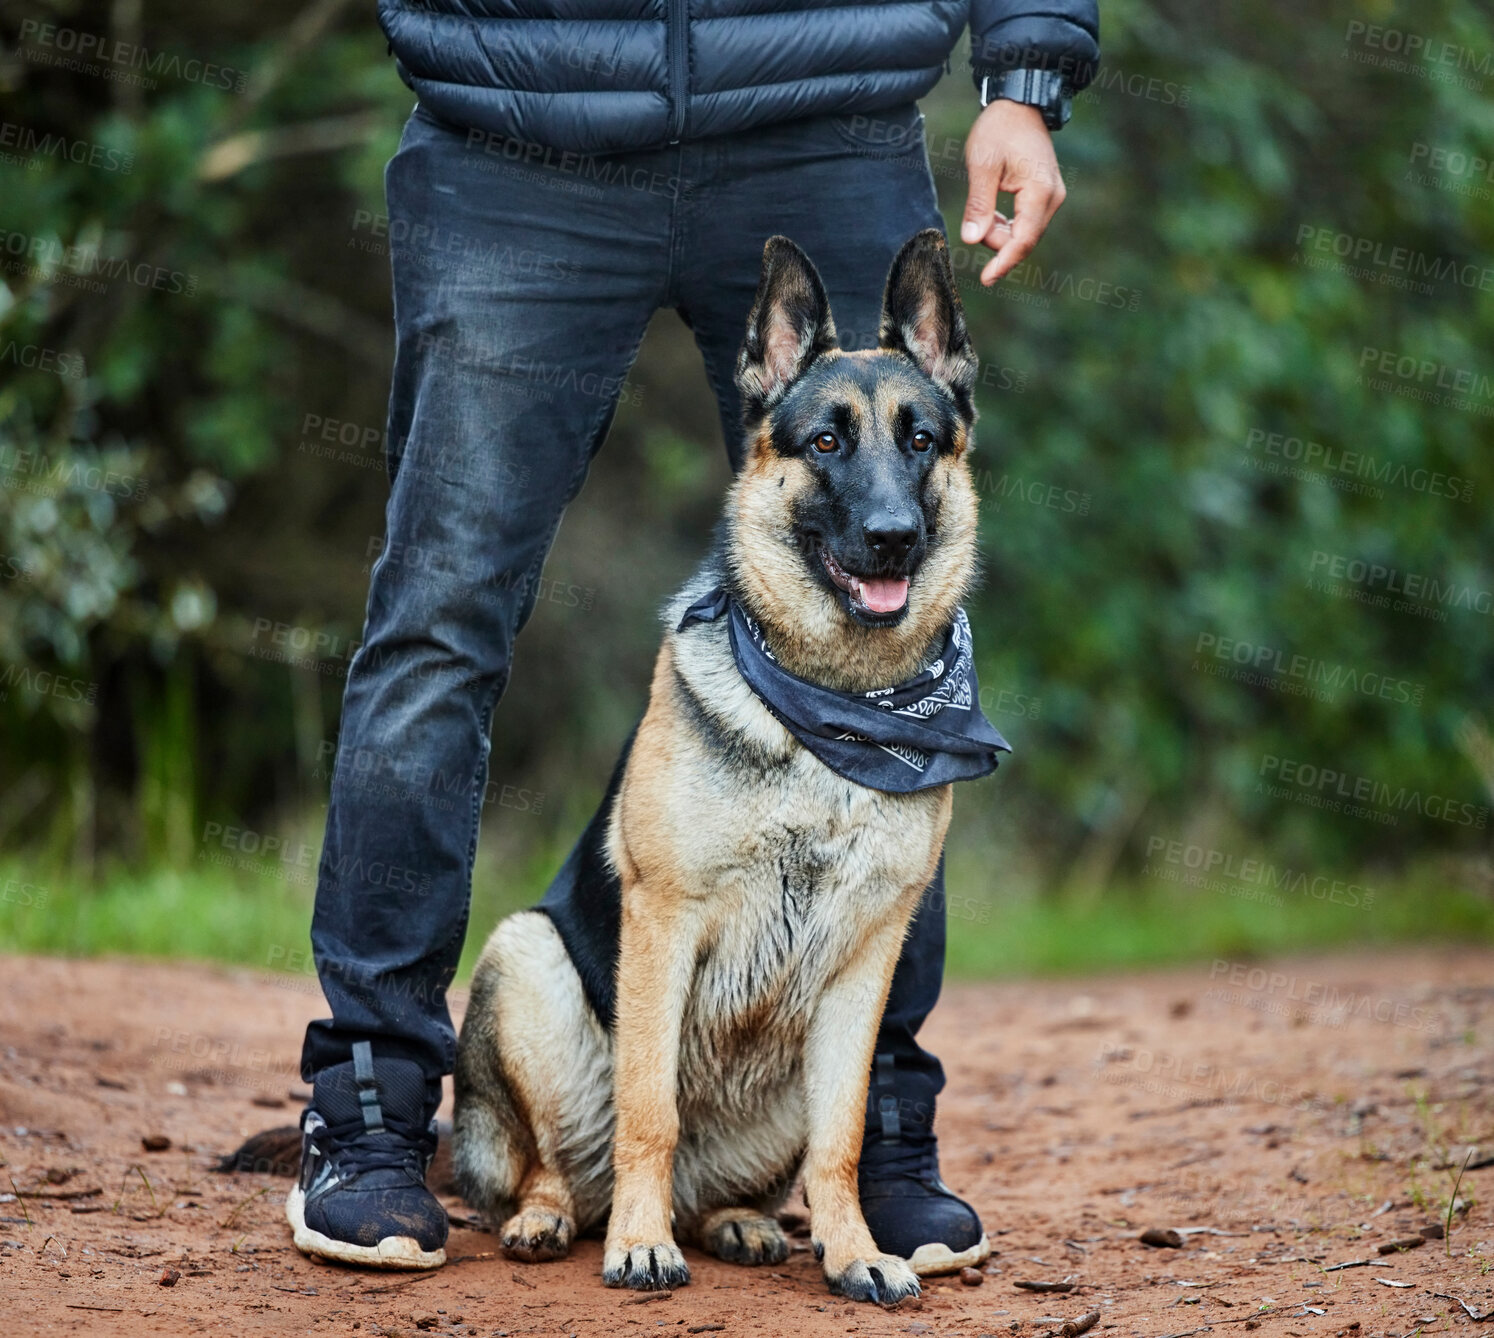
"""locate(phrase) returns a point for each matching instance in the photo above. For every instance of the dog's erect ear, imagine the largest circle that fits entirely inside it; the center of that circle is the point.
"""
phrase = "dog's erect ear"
(788, 328)
(922, 317)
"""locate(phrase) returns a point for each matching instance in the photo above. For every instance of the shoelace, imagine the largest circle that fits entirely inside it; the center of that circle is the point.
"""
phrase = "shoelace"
(356, 1151)
(915, 1157)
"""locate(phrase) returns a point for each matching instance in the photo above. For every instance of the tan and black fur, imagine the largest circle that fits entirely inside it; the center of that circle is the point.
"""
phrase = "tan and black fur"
(764, 899)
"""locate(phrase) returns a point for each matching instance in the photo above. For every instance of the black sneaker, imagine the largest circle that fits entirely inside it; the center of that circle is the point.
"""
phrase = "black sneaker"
(911, 1212)
(365, 1145)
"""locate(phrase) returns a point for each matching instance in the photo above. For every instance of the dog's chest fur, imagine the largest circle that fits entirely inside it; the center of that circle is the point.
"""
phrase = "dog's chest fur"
(800, 867)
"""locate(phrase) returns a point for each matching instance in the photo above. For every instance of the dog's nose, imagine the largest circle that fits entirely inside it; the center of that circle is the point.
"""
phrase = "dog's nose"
(890, 535)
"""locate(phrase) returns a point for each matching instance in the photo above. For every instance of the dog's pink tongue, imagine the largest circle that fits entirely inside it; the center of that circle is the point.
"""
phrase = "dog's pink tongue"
(884, 595)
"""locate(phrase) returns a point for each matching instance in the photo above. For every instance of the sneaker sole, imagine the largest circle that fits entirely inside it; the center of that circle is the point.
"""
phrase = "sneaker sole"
(931, 1260)
(393, 1252)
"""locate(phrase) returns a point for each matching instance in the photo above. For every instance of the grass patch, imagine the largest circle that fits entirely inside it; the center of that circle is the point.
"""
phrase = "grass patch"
(194, 913)
(261, 916)
(1146, 925)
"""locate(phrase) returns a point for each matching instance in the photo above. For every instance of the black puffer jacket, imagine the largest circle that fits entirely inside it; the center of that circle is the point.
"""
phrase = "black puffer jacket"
(596, 76)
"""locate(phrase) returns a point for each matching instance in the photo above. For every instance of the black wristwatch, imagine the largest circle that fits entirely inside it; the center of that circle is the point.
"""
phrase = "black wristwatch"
(1047, 90)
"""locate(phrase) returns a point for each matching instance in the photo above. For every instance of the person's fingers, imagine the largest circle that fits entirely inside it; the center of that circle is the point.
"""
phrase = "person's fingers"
(998, 234)
(980, 203)
(1036, 203)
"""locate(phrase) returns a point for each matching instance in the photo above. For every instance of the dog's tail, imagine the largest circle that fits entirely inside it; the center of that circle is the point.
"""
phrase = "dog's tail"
(277, 1151)
(487, 1153)
(483, 1160)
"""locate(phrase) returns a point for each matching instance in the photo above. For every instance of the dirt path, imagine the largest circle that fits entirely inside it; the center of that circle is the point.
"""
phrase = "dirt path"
(1281, 1116)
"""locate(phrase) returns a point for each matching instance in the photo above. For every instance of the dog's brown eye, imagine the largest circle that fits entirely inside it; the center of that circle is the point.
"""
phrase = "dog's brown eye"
(922, 441)
(826, 442)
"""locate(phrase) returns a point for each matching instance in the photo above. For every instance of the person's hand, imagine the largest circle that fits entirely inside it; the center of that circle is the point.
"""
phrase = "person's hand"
(1010, 149)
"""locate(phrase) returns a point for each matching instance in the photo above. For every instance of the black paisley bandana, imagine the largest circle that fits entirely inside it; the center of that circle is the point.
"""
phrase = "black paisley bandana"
(928, 731)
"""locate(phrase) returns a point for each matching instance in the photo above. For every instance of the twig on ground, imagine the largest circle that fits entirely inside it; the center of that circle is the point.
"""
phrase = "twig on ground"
(1478, 1317)
(145, 1179)
(243, 1203)
(1402, 1245)
(25, 1212)
(395, 1286)
(1200, 1104)
(1452, 1201)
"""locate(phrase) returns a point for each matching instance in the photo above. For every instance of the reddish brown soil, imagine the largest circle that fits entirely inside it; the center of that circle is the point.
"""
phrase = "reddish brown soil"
(1280, 1124)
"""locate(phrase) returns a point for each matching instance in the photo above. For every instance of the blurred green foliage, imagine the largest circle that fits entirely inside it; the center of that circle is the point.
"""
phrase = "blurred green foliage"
(194, 348)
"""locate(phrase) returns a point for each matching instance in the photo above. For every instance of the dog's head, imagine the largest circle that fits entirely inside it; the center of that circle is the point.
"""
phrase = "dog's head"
(851, 532)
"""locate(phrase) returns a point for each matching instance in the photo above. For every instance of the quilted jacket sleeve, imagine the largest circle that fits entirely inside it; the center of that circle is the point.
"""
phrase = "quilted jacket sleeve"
(1058, 35)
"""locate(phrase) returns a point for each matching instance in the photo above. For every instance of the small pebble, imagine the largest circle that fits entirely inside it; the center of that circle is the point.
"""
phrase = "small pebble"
(169, 1277)
(155, 1143)
(972, 1277)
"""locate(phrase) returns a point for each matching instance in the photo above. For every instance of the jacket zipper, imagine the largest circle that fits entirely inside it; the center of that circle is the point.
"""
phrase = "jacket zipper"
(678, 24)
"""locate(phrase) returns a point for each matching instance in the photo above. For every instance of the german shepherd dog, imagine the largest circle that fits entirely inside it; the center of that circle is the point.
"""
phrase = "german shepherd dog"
(763, 898)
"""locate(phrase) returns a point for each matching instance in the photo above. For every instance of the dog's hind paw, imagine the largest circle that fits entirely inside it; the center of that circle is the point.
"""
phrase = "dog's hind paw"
(645, 1268)
(884, 1278)
(741, 1236)
(533, 1234)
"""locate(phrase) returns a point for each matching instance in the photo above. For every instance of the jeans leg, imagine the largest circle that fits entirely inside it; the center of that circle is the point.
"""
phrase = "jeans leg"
(851, 205)
(520, 300)
(915, 988)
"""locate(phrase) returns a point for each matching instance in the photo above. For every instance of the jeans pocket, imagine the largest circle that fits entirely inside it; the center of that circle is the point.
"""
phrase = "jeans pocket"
(882, 134)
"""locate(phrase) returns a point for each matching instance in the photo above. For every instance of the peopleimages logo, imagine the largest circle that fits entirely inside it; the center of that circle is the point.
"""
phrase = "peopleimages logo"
(1450, 170)
(1335, 463)
(1169, 1074)
(1400, 374)
(1211, 865)
(47, 258)
(1112, 79)
(1427, 591)
(1397, 266)
(69, 366)
(122, 62)
(1359, 796)
(19, 143)
(1305, 669)
(1416, 53)
(1452, 161)
(1328, 1003)
(1455, 380)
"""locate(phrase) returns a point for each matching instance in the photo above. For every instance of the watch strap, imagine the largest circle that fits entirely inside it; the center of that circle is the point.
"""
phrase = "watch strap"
(1046, 90)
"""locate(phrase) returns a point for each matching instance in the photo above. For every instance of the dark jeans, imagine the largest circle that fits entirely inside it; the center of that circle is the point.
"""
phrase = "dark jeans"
(522, 286)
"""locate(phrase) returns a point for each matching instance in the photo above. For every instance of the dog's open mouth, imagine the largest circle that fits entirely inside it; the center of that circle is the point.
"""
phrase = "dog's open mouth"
(880, 595)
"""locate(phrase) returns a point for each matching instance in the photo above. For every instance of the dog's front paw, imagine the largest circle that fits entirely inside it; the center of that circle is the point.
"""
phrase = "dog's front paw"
(645, 1268)
(741, 1236)
(533, 1234)
(883, 1278)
